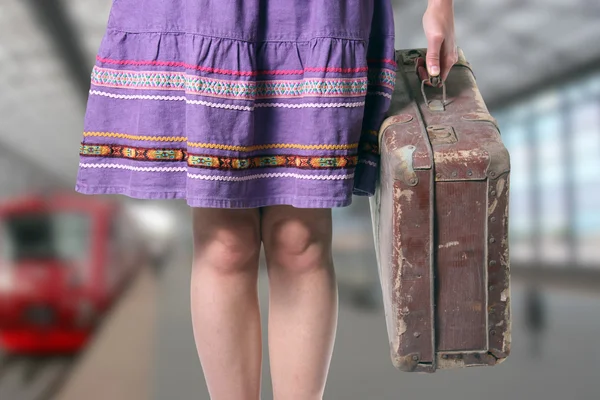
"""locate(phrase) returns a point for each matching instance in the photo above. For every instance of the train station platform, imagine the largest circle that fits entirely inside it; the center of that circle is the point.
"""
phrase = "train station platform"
(565, 368)
(119, 364)
(146, 350)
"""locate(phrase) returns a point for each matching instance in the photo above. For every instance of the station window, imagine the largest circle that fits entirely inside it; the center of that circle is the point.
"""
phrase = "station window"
(554, 142)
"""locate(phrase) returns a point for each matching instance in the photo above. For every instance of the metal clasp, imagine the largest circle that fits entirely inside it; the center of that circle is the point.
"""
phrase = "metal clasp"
(441, 134)
(434, 105)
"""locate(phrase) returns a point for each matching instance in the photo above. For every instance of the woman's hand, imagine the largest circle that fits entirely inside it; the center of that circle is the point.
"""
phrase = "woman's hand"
(438, 23)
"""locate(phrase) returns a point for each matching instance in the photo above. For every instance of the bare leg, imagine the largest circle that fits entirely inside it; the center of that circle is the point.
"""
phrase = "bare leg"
(224, 300)
(303, 300)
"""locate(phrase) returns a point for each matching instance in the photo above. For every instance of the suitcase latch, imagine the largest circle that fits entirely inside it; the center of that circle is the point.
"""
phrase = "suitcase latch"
(441, 134)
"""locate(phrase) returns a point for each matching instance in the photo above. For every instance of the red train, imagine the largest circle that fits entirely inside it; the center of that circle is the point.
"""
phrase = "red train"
(64, 259)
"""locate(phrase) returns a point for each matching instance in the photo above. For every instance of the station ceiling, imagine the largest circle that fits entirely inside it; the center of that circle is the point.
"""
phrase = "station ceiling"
(515, 46)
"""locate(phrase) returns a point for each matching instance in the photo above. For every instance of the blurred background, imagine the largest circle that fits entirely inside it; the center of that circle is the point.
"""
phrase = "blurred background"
(94, 290)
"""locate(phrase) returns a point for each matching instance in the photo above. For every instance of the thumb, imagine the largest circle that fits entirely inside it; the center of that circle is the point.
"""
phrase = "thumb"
(434, 44)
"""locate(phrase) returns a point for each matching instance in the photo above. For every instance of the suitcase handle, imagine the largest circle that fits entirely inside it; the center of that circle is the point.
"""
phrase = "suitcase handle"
(434, 81)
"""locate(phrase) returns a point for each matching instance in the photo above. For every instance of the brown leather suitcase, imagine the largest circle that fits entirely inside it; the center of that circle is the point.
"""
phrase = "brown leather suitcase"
(440, 221)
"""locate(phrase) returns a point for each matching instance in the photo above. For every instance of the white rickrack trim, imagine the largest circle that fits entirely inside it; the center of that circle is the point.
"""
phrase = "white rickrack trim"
(311, 105)
(368, 162)
(131, 168)
(171, 98)
(225, 106)
(136, 96)
(384, 94)
(217, 177)
(269, 175)
(217, 105)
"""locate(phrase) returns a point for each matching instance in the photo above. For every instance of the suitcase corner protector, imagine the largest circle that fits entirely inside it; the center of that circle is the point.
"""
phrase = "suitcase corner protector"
(392, 120)
(406, 363)
(499, 160)
(499, 356)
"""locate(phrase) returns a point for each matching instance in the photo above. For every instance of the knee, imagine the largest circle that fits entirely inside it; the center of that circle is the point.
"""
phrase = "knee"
(298, 246)
(227, 251)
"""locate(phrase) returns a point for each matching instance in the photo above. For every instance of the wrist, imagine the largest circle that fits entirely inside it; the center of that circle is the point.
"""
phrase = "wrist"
(440, 3)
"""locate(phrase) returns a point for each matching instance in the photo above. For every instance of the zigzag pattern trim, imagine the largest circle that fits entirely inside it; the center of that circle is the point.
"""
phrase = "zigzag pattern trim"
(231, 72)
(324, 161)
(383, 77)
(135, 137)
(224, 106)
(219, 146)
(137, 96)
(171, 98)
(219, 177)
(275, 146)
(132, 168)
(270, 175)
(312, 105)
(235, 72)
(236, 89)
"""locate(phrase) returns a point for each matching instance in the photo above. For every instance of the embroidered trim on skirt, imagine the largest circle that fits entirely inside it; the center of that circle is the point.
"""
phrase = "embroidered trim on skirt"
(239, 104)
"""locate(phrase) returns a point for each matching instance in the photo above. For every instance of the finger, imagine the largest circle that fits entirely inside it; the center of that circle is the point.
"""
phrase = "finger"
(434, 47)
(448, 60)
(445, 72)
(446, 68)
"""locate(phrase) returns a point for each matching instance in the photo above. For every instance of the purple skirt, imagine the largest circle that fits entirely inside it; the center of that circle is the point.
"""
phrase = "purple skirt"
(239, 103)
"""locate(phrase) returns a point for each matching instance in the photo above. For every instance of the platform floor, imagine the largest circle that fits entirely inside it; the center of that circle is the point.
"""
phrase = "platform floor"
(568, 368)
(120, 362)
(147, 352)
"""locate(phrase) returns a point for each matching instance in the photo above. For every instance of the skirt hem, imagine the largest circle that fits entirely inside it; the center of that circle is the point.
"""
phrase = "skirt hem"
(210, 202)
